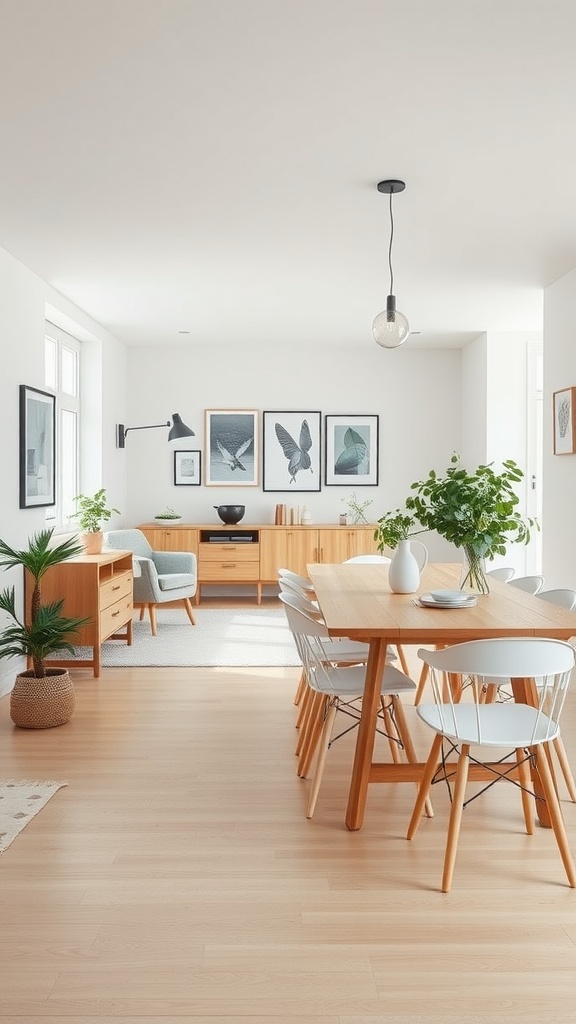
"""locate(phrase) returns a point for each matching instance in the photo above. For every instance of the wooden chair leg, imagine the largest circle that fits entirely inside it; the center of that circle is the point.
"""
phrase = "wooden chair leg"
(313, 730)
(189, 610)
(565, 767)
(455, 817)
(555, 813)
(142, 611)
(527, 791)
(392, 732)
(152, 614)
(406, 739)
(300, 691)
(321, 759)
(421, 684)
(424, 788)
(310, 701)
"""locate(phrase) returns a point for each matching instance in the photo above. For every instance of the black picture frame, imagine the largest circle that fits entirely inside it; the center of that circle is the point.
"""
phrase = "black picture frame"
(187, 468)
(37, 448)
(292, 451)
(351, 450)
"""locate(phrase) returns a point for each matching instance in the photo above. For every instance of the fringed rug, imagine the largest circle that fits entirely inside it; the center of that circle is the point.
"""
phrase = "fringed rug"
(19, 803)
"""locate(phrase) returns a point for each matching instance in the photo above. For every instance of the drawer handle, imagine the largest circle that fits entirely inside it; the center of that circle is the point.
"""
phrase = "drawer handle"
(117, 587)
(228, 565)
(114, 614)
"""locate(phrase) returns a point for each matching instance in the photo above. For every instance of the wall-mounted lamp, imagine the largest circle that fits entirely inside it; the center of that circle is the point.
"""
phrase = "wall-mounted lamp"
(177, 430)
(390, 327)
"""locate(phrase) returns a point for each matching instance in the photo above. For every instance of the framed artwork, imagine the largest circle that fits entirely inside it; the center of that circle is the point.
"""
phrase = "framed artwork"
(351, 451)
(565, 421)
(37, 447)
(231, 448)
(187, 469)
(292, 452)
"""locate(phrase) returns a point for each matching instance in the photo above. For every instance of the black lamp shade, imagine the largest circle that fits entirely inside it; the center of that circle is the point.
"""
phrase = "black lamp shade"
(179, 429)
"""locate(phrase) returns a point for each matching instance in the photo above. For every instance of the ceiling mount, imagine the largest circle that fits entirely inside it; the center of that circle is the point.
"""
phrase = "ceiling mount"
(391, 185)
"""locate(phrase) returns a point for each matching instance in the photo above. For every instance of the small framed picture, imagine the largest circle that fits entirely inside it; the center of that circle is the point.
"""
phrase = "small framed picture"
(187, 469)
(565, 421)
(37, 447)
(231, 448)
(351, 450)
(292, 451)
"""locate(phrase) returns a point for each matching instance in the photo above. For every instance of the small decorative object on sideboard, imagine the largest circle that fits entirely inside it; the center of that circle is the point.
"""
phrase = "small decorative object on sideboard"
(230, 514)
(357, 508)
(168, 516)
(91, 512)
(42, 697)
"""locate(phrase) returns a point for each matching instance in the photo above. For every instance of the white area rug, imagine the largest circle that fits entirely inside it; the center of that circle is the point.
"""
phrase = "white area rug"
(19, 803)
(222, 636)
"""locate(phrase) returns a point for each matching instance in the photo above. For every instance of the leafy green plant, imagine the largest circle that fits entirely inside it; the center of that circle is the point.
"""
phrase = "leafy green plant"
(47, 630)
(394, 527)
(169, 513)
(472, 510)
(92, 511)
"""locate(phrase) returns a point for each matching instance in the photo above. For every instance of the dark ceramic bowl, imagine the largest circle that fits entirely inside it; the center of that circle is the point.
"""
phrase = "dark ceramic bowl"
(230, 514)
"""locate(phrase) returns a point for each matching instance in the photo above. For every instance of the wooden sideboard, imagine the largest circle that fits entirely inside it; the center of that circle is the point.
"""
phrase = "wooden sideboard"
(254, 553)
(96, 587)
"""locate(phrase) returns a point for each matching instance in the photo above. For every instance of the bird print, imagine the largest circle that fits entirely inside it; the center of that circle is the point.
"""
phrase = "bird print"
(233, 461)
(297, 454)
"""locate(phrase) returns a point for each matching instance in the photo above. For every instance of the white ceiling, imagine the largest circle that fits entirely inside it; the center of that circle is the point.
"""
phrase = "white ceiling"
(211, 165)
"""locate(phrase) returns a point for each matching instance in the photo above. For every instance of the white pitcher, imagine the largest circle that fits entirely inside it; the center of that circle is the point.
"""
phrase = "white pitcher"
(403, 573)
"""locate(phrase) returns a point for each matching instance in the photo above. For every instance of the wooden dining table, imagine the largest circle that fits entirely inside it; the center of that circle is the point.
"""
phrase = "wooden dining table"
(356, 602)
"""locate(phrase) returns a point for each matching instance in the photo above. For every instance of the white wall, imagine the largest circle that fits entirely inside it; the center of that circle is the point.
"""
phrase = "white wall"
(559, 483)
(416, 395)
(24, 302)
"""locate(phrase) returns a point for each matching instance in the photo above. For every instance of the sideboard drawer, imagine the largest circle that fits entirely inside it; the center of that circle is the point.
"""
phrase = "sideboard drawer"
(210, 554)
(111, 590)
(229, 570)
(115, 616)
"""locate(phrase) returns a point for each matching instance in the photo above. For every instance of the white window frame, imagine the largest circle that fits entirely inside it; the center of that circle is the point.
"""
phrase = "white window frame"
(57, 515)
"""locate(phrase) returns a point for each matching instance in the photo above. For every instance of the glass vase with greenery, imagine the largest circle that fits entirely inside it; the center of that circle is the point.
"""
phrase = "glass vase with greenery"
(475, 511)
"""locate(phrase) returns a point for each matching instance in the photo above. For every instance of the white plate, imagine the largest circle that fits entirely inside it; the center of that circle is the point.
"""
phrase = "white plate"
(449, 596)
(428, 601)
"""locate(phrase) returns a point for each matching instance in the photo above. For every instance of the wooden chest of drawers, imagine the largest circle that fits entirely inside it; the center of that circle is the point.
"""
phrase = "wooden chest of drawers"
(96, 587)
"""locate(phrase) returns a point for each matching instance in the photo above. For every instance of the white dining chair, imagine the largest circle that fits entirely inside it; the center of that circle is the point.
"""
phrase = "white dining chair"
(531, 584)
(339, 688)
(527, 731)
(504, 573)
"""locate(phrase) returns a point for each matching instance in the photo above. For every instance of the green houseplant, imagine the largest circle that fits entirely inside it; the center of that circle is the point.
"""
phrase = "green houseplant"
(91, 511)
(476, 511)
(169, 515)
(42, 697)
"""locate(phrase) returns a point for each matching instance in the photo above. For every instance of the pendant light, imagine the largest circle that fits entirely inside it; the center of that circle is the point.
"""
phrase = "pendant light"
(390, 327)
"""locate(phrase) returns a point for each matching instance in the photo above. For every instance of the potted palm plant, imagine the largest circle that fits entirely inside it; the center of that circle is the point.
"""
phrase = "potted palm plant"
(475, 511)
(42, 697)
(91, 511)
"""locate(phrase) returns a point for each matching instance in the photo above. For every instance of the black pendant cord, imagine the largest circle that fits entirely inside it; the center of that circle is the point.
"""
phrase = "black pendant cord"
(390, 248)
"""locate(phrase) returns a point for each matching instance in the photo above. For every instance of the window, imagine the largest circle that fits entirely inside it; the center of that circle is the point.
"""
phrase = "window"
(61, 372)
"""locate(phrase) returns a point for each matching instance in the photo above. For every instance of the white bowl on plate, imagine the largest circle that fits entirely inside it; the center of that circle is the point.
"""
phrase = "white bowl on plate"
(449, 596)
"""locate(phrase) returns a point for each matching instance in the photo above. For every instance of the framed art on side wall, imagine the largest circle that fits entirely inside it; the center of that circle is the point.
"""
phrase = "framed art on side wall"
(187, 469)
(37, 447)
(565, 421)
(231, 448)
(292, 451)
(351, 450)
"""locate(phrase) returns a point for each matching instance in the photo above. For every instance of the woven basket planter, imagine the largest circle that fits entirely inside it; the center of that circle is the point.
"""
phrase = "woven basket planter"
(42, 703)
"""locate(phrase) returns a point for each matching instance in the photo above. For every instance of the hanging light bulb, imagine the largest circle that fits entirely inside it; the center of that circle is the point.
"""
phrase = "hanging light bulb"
(390, 327)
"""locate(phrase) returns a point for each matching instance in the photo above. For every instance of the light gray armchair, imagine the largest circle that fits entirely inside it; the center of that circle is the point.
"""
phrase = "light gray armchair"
(159, 576)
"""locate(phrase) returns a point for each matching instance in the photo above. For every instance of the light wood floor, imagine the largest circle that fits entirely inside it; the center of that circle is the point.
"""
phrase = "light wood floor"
(176, 877)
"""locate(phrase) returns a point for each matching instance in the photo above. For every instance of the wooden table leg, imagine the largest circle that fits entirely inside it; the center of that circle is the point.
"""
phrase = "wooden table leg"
(366, 735)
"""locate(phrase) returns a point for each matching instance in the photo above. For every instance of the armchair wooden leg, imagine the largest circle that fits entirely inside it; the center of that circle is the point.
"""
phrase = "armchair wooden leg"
(152, 614)
(189, 610)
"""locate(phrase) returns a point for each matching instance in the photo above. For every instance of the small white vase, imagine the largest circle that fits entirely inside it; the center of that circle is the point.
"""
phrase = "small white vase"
(403, 573)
